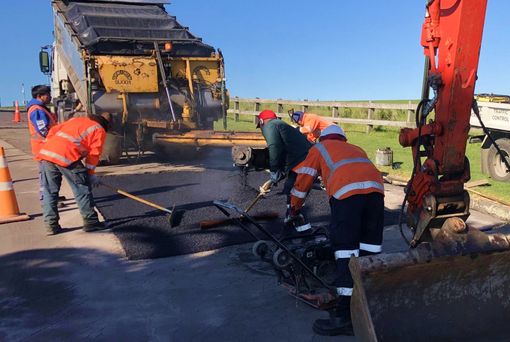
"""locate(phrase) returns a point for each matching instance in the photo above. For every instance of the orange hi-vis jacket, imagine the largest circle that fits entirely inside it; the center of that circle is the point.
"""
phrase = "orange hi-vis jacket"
(37, 140)
(312, 125)
(345, 170)
(72, 141)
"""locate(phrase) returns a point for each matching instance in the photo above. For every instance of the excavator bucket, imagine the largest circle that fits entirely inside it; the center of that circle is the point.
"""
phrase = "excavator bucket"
(456, 288)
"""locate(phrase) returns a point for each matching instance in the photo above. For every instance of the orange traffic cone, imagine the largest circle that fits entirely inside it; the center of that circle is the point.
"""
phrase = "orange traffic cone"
(9, 211)
(17, 115)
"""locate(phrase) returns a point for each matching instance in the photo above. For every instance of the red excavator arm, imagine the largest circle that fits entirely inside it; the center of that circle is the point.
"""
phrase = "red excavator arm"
(451, 37)
(456, 286)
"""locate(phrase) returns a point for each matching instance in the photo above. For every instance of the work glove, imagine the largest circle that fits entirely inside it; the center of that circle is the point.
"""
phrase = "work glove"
(266, 187)
(276, 176)
(94, 181)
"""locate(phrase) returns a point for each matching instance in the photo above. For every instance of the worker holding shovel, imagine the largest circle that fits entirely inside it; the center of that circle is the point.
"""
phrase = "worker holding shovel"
(287, 148)
(61, 155)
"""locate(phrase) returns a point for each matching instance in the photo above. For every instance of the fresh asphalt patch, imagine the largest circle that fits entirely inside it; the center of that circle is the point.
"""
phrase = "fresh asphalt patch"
(145, 233)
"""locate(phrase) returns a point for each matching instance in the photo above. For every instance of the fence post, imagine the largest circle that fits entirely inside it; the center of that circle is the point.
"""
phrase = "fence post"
(304, 108)
(236, 109)
(334, 112)
(410, 114)
(257, 109)
(279, 109)
(370, 116)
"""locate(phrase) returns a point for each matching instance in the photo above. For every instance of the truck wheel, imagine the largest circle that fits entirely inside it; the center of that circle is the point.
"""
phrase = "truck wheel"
(496, 166)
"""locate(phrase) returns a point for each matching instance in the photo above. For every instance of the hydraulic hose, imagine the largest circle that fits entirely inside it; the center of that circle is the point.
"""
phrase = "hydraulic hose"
(419, 123)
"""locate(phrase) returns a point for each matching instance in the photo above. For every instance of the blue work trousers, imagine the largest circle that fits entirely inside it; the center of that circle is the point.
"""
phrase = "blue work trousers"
(41, 187)
(77, 177)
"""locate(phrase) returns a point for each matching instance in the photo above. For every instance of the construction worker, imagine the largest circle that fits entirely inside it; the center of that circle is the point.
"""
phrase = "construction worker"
(310, 124)
(287, 148)
(61, 155)
(40, 120)
(356, 197)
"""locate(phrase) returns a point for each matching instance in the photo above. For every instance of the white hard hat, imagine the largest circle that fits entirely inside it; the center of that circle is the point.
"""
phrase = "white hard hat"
(333, 129)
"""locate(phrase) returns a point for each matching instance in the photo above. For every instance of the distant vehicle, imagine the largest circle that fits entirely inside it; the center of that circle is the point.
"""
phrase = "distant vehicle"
(134, 60)
(495, 114)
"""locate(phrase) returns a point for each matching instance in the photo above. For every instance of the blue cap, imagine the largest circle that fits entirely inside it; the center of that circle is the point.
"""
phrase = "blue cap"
(297, 116)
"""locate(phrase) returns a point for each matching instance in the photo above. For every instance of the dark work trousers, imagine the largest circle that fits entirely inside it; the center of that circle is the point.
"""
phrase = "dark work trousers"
(41, 187)
(78, 179)
(356, 228)
(288, 185)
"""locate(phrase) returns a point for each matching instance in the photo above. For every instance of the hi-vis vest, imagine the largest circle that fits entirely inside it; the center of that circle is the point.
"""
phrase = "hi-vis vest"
(72, 141)
(36, 140)
(312, 125)
(345, 170)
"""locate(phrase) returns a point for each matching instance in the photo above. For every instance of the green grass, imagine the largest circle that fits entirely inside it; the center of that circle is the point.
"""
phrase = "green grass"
(21, 108)
(388, 137)
(374, 140)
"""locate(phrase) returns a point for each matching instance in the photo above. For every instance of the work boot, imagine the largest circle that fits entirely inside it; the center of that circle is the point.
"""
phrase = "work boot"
(334, 326)
(289, 232)
(295, 227)
(92, 227)
(53, 229)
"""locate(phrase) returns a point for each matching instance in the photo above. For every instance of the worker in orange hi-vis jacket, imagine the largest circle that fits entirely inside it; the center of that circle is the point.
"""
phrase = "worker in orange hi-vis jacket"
(310, 124)
(356, 197)
(40, 120)
(61, 156)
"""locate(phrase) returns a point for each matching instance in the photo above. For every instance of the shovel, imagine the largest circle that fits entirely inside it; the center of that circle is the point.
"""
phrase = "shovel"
(171, 217)
(207, 224)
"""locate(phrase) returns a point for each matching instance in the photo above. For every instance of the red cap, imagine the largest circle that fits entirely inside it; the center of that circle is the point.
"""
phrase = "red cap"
(265, 115)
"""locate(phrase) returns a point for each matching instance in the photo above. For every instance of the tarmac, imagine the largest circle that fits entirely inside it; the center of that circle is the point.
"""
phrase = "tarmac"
(145, 232)
(80, 286)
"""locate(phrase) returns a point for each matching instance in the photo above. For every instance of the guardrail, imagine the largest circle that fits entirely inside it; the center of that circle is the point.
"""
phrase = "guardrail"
(333, 106)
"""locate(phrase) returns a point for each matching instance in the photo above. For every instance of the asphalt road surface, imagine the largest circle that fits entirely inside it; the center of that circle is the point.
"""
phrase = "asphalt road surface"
(78, 287)
(145, 232)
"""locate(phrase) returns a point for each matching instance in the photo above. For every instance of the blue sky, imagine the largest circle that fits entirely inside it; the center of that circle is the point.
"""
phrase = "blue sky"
(328, 50)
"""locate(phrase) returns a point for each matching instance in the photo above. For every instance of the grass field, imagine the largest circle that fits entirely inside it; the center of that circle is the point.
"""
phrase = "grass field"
(382, 138)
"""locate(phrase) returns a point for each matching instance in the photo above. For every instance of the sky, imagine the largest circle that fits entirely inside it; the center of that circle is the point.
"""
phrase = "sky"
(287, 49)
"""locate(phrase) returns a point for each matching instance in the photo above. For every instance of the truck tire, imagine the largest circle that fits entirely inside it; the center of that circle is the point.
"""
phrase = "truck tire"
(497, 169)
(112, 149)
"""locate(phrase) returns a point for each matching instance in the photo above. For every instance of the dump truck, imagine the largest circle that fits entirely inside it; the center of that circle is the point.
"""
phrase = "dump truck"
(133, 59)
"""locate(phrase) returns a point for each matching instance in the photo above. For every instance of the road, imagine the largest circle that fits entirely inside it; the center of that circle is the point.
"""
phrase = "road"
(77, 286)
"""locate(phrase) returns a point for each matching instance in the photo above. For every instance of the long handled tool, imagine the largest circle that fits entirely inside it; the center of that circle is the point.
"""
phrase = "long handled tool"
(171, 218)
(208, 224)
(223, 206)
(264, 189)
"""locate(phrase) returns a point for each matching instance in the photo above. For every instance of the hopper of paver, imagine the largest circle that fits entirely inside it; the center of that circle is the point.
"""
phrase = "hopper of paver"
(456, 288)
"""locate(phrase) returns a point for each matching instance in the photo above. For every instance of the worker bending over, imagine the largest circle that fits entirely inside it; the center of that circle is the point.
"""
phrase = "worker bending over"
(356, 198)
(40, 120)
(61, 155)
(310, 124)
(287, 148)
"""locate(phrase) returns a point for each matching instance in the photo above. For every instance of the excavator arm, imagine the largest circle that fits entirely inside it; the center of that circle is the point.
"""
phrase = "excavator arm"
(451, 38)
(455, 283)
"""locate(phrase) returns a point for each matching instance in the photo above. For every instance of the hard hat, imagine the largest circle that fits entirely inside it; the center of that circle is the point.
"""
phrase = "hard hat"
(297, 116)
(265, 115)
(333, 129)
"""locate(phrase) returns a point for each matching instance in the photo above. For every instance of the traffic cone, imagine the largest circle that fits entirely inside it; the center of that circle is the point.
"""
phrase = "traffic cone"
(17, 115)
(9, 210)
